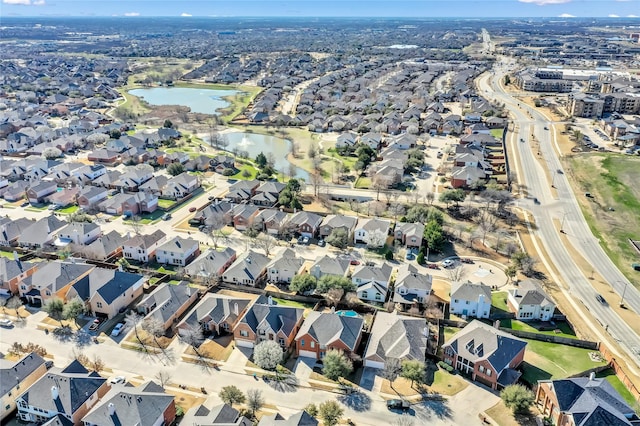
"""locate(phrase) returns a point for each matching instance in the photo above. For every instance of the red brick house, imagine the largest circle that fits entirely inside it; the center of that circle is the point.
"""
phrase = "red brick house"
(267, 321)
(322, 332)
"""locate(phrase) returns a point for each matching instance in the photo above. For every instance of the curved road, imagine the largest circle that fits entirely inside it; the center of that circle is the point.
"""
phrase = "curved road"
(564, 209)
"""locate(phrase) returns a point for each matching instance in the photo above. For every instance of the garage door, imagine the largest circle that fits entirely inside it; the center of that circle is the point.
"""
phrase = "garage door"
(308, 354)
(374, 364)
(244, 343)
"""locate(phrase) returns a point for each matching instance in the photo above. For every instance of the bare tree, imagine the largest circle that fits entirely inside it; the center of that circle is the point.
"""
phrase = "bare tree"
(430, 197)
(376, 238)
(153, 327)
(214, 225)
(193, 337)
(335, 295)
(501, 234)
(510, 249)
(15, 303)
(404, 420)
(392, 370)
(255, 401)
(97, 364)
(456, 273)
(266, 242)
(135, 224)
(316, 181)
(163, 376)
(132, 321)
(486, 224)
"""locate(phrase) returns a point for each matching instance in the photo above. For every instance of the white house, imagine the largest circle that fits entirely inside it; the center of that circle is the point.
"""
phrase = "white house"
(372, 282)
(178, 251)
(80, 233)
(372, 232)
(143, 247)
(284, 267)
(470, 300)
(412, 286)
(529, 302)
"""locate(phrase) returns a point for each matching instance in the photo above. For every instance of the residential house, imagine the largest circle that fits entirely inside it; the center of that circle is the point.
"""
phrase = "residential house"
(530, 302)
(178, 251)
(70, 393)
(249, 269)
(105, 247)
(155, 185)
(338, 221)
(267, 194)
(220, 163)
(371, 139)
(467, 176)
(412, 287)
(38, 191)
(104, 156)
(398, 337)
(372, 282)
(372, 232)
(403, 141)
(12, 272)
(284, 267)
(305, 223)
(79, 233)
(107, 292)
(346, 140)
(409, 234)
(219, 415)
(10, 230)
(64, 197)
(301, 418)
(130, 204)
(583, 401)
(41, 232)
(17, 375)
(327, 265)
(244, 216)
(470, 300)
(323, 331)
(215, 314)
(273, 222)
(90, 196)
(180, 186)
(212, 263)
(52, 279)
(167, 303)
(488, 355)
(144, 405)
(267, 321)
(142, 248)
(242, 190)
(133, 177)
(15, 191)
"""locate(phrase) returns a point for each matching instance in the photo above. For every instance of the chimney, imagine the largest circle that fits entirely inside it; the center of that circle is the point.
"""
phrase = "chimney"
(112, 409)
(592, 376)
(236, 310)
(270, 300)
(496, 324)
(54, 393)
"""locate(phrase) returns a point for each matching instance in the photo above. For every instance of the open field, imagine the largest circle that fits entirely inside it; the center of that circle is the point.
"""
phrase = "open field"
(612, 181)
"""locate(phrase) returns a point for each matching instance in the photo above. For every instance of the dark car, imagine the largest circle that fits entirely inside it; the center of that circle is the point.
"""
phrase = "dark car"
(95, 324)
(601, 299)
(354, 262)
(536, 201)
(398, 404)
(25, 204)
(466, 260)
(321, 243)
(635, 266)
(432, 266)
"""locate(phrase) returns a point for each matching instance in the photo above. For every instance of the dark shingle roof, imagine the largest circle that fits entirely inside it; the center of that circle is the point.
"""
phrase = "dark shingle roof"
(12, 373)
(279, 318)
(397, 336)
(328, 328)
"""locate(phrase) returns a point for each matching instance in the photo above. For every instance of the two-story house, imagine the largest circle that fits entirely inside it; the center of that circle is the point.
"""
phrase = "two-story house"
(470, 300)
(41, 232)
(248, 269)
(244, 216)
(52, 279)
(305, 223)
(180, 186)
(38, 191)
(142, 248)
(409, 234)
(215, 314)
(396, 336)
(267, 321)
(272, 221)
(338, 221)
(12, 272)
(412, 287)
(284, 267)
(167, 303)
(323, 331)
(211, 263)
(79, 233)
(530, 302)
(372, 232)
(372, 282)
(328, 265)
(179, 251)
(91, 196)
(16, 376)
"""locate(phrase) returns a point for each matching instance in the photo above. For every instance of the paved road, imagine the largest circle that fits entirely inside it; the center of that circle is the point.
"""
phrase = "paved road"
(563, 209)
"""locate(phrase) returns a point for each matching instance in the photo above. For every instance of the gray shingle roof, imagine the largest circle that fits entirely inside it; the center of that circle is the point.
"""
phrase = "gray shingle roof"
(301, 418)
(397, 336)
(12, 373)
(373, 273)
(56, 275)
(167, 299)
(210, 262)
(219, 415)
(530, 292)
(144, 241)
(279, 318)
(216, 308)
(250, 265)
(108, 283)
(38, 233)
(179, 245)
(328, 328)
(330, 266)
(466, 290)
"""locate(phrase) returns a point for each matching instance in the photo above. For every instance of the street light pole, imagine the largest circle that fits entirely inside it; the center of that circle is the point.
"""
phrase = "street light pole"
(623, 293)
(553, 179)
(562, 223)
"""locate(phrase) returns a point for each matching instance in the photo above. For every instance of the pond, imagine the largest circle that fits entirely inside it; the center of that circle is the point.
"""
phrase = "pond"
(203, 101)
(253, 144)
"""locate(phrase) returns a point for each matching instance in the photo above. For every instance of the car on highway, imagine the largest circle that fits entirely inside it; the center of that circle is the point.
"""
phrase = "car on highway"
(95, 325)
(447, 263)
(6, 323)
(166, 216)
(398, 404)
(601, 299)
(560, 172)
(117, 329)
(192, 209)
(535, 200)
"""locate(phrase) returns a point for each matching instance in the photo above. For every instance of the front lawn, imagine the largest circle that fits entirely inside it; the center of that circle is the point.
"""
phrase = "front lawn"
(68, 210)
(363, 183)
(166, 204)
(497, 133)
(251, 172)
(543, 360)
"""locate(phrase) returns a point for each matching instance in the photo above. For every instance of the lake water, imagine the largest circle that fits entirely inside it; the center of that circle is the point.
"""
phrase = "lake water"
(253, 144)
(203, 101)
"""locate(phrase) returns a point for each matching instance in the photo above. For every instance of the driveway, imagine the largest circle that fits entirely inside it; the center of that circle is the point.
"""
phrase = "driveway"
(304, 368)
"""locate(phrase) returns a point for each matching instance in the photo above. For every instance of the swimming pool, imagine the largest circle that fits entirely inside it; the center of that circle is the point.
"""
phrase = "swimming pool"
(352, 314)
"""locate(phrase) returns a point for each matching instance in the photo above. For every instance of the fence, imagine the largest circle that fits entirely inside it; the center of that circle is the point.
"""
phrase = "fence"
(620, 372)
(586, 344)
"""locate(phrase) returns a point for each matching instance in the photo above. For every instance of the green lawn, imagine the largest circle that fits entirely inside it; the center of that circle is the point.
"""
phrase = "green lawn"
(563, 327)
(293, 303)
(611, 377)
(7, 254)
(449, 332)
(363, 183)
(166, 204)
(253, 172)
(551, 361)
(35, 209)
(499, 301)
(69, 210)
(497, 133)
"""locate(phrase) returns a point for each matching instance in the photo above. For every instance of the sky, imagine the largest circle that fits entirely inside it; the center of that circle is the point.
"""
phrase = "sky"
(319, 8)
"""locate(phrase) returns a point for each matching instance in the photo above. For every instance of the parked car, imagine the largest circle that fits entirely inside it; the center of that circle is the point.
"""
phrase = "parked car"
(410, 256)
(117, 380)
(432, 266)
(117, 329)
(25, 204)
(588, 195)
(447, 263)
(354, 262)
(560, 172)
(466, 260)
(95, 324)
(398, 404)
(321, 243)
(166, 216)
(6, 323)
(305, 240)
(635, 266)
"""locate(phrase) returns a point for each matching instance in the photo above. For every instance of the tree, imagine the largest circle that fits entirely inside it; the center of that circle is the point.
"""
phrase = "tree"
(51, 152)
(510, 272)
(14, 303)
(312, 410)
(339, 238)
(452, 195)
(154, 328)
(413, 370)
(261, 160)
(255, 401)
(517, 398)
(265, 242)
(303, 283)
(392, 369)
(54, 307)
(456, 273)
(97, 364)
(132, 321)
(424, 214)
(193, 337)
(163, 377)
(167, 124)
(79, 216)
(434, 236)
(73, 309)
(115, 134)
(328, 282)
(174, 169)
(420, 258)
(231, 395)
(330, 412)
(376, 238)
(336, 365)
(267, 354)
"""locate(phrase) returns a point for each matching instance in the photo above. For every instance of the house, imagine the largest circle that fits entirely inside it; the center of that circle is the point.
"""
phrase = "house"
(16, 375)
(220, 163)
(130, 204)
(52, 279)
(403, 141)
(409, 234)
(12, 272)
(272, 221)
(412, 287)
(301, 418)
(248, 269)
(372, 282)
(15, 191)
(79, 233)
(179, 251)
(488, 355)
(91, 196)
(583, 401)
(470, 300)
(143, 247)
(107, 292)
(244, 216)
(530, 302)
(219, 415)
(144, 405)
(10, 230)
(398, 337)
(105, 247)
(70, 393)
(327, 265)
(180, 186)
(212, 263)
(268, 321)
(63, 197)
(305, 223)
(215, 314)
(372, 232)
(38, 191)
(104, 156)
(167, 303)
(41, 232)
(267, 194)
(242, 190)
(284, 267)
(133, 177)
(323, 331)
(338, 221)
(467, 176)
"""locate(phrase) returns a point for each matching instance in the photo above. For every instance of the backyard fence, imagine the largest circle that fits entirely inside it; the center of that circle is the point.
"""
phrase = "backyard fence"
(620, 372)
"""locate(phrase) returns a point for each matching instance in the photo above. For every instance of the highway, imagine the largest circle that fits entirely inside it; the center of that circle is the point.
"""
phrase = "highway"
(553, 211)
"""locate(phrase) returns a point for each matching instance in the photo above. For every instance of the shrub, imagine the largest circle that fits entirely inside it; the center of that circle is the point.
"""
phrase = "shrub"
(228, 172)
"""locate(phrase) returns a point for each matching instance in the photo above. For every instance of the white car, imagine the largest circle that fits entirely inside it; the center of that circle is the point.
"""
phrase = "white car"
(117, 380)
(6, 323)
(447, 263)
(117, 329)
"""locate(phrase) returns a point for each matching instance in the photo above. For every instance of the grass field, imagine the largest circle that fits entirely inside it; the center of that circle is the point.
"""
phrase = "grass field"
(612, 181)
(363, 183)
(253, 172)
(497, 133)
(562, 327)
